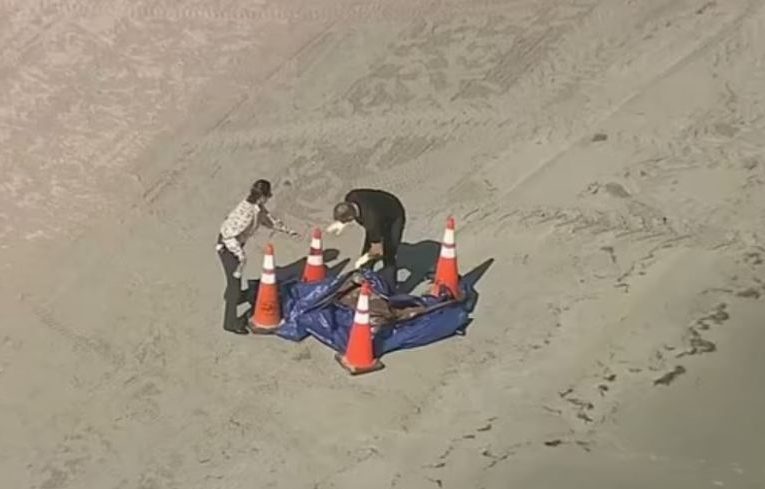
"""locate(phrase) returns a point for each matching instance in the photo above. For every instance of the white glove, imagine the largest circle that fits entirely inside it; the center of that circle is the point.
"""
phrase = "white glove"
(240, 269)
(336, 228)
(362, 260)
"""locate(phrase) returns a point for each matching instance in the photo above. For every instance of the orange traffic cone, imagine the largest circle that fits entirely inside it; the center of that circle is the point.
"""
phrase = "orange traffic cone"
(359, 355)
(267, 316)
(315, 270)
(447, 273)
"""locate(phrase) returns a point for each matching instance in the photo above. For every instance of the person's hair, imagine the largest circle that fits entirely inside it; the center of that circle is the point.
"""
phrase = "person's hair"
(344, 212)
(261, 188)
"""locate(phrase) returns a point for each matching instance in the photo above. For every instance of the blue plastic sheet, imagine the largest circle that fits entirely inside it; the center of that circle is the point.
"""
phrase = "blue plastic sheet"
(311, 310)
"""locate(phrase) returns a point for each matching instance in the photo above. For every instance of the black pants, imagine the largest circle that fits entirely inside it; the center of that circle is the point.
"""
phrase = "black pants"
(391, 240)
(233, 294)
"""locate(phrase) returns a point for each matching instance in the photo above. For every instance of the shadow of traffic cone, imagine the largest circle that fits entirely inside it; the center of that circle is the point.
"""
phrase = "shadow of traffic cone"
(359, 357)
(315, 270)
(447, 273)
(267, 316)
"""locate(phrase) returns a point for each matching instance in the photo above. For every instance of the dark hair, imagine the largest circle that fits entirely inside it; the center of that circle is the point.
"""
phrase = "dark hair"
(344, 212)
(261, 188)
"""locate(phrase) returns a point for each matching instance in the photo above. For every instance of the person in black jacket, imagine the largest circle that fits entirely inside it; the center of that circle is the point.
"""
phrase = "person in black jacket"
(383, 217)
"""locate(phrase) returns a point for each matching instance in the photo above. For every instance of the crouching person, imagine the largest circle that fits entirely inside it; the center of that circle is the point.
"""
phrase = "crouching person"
(383, 217)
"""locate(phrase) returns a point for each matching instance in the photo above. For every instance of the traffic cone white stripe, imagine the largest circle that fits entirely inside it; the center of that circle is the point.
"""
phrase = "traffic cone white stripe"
(361, 318)
(447, 246)
(362, 310)
(447, 274)
(363, 302)
(314, 269)
(268, 276)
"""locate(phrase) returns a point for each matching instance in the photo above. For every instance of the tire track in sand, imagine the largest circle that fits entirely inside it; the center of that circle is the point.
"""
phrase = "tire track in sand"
(685, 57)
(407, 134)
(579, 133)
(366, 12)
(551, 23)
(465, 118)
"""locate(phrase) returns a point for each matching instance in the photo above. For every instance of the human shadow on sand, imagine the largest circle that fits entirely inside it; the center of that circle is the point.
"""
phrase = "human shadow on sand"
(471, 278)
(420, 260)
(469, 281)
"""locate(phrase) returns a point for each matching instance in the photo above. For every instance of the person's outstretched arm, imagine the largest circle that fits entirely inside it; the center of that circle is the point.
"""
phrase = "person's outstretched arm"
(273, 222)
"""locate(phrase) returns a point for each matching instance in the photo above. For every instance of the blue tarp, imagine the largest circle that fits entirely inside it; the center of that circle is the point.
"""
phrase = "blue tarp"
(311, 310)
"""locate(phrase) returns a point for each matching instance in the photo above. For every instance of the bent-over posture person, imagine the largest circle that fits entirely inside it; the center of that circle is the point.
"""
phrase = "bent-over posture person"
(240, 224)
(383, 217)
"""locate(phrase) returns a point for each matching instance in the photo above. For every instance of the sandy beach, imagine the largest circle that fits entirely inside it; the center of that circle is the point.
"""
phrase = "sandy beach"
(605, 164)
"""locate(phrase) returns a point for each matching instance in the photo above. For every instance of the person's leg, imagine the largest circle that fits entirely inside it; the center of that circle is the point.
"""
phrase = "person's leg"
(396, 235)
(391, 244)
(364, 249)
(233, 293)
(367, 245)
(248, 294)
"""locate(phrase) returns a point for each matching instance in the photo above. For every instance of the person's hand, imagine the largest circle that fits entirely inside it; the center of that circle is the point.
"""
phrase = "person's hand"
(278, 225)
(292, 233)
(288, 231)
(376, 249)
(362, 260)
(240, 268)
(335, 228)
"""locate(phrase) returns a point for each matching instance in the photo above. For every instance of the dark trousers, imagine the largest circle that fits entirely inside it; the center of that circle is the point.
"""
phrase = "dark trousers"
(391, 241)
(233, 293)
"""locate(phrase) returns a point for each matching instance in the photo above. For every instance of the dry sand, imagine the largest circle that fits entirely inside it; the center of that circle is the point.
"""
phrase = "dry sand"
(608, 155)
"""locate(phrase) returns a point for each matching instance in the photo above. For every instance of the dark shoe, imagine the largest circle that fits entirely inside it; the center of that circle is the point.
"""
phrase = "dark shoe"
(239, 327)
(240, 330)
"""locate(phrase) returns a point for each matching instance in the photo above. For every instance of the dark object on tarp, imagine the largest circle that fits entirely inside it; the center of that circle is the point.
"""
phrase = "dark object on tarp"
(325, 311)
(383, 312)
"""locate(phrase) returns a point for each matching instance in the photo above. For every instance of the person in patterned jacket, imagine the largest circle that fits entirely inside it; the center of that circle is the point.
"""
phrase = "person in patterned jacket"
(240, 224)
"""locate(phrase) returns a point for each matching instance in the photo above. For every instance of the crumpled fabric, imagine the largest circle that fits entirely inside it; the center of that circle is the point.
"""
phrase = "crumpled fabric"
(325, 311)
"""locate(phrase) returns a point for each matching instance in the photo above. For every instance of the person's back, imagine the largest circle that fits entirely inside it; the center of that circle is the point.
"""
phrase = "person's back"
(383, 217)
(376, 205)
